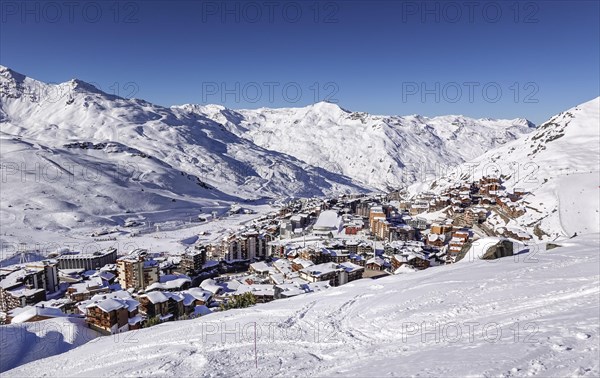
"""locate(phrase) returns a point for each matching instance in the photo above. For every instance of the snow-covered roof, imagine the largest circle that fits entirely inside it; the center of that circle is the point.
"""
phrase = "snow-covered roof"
(194, 294)
(328, 221)
(350, 267)
(376, 260)
(211, 285)
(135, 320)
(261, 266)
(321, 269)
(201, 310)
(29, 312)
(303, 262)
(436, 237)
(170, 282)
(156, 297)
(318, 286)
(109, 305)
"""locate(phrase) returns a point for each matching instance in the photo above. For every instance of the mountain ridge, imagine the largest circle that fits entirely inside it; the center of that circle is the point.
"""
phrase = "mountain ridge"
(394, 134)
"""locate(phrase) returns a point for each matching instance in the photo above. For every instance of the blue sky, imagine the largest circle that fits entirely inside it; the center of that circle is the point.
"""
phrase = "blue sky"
(501, 59)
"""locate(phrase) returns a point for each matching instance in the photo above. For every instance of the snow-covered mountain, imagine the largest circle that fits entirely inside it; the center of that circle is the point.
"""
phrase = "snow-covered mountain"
(57, 115)
(558, 165)
(535, 314)
(297, 151)
(73, 154)
(385, 152)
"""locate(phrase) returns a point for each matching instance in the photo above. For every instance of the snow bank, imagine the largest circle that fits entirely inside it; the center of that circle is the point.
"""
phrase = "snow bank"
(481, 246)
(26, 342)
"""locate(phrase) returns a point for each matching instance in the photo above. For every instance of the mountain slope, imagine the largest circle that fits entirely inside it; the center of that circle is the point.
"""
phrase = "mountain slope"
(558, 165)
(532, 315)
(75, 158)
(75, 111)
(385, 152)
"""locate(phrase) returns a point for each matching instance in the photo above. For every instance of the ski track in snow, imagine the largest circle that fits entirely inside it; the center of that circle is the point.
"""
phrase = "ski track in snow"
(364, 328)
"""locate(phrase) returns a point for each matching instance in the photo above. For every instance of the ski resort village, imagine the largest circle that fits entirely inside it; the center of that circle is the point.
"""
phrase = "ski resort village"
(150, 234)
(307, 245)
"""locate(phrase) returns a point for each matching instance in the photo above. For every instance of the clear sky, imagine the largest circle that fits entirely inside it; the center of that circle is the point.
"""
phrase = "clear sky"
(502, 59)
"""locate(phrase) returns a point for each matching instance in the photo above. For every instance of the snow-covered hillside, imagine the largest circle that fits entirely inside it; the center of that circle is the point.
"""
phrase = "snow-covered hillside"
(385, 152)
(534, 314)
(558, 165)
(26, 342)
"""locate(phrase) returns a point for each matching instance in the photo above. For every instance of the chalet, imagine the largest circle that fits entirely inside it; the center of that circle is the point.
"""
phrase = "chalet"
(260, 268)
(457, 242)
(475, 215)
(284, 267)
(515, 233)
(513, 209)
(354, 271)
(417, 223)
(113, 315)
(436, 240)
(339, 255)
(212, 286)
(165, 305)
(358, 260)
(365, 248)
(300, 263)
(517, 194)
(334, 274)
(419, 207)
(414, 259)
(351, 229)
(440, 229)
(87, 289)
(461, 235)
(194, 297)
(375, 263)
(439, 203)
(352, 246)
(322, 272)
(288, 290)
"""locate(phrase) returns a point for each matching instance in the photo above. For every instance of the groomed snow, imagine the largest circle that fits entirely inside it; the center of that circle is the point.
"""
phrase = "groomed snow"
(535, 314)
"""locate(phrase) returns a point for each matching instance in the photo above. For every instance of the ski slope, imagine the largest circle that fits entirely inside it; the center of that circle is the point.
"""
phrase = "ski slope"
(534, 314)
